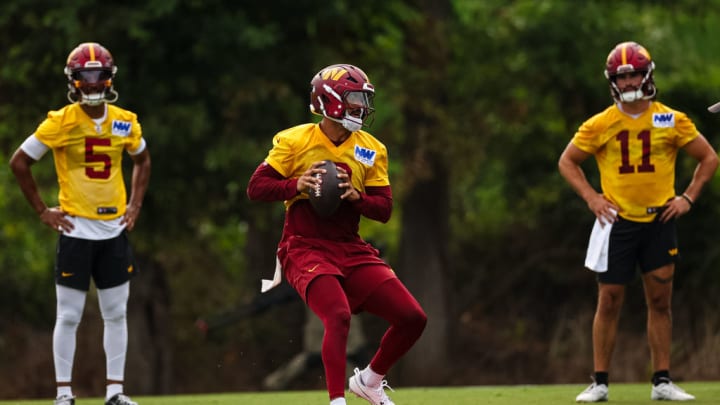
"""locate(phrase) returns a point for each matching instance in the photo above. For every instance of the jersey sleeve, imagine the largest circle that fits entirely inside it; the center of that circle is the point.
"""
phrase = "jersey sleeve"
(49, 130)
(135, 143)
(377, 175)
(686, 130)
(281, 155)
(34, 148)
(587, 137)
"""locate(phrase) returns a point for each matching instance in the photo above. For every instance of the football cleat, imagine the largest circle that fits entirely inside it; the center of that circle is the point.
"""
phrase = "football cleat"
(120, 399)
(594, 393)
(64, 400)
(668, 391)
(374, 395)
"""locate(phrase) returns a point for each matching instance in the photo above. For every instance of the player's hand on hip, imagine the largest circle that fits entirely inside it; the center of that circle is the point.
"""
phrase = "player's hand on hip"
(132, 212)
(675, 208)
(55, 218)
(604, 210)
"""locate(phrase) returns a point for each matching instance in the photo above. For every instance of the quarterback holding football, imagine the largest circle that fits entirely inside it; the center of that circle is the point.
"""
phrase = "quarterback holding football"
(321, 253)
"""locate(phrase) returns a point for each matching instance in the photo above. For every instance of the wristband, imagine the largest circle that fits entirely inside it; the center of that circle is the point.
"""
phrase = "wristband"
(687, 198)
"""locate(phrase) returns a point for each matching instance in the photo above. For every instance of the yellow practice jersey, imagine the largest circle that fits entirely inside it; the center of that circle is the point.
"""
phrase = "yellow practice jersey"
(88, 158)
(636, 156)
(296, 148)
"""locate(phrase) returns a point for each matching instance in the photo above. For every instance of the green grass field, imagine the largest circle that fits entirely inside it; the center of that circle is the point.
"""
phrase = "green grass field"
(705, 392)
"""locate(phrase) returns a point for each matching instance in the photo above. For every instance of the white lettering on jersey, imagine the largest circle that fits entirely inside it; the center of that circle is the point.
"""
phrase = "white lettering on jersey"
(663, 120)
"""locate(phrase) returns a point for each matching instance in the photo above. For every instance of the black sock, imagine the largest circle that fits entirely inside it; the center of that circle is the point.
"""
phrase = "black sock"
(601, 377)
(661, 376)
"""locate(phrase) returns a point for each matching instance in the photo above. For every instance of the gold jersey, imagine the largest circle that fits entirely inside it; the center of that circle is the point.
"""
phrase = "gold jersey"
(296, 148)
(636, 155)
(88, 158)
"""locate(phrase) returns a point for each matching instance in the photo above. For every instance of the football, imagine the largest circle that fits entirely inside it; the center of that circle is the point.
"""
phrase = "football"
(325, 199)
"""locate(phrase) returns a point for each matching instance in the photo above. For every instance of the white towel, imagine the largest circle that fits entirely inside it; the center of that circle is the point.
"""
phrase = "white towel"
(267, 285)
(597, 251)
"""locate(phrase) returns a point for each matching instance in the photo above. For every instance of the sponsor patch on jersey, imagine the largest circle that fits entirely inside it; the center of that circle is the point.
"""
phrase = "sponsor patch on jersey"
(663, 120)
(365, 156)
(121, 128)
(106, 210)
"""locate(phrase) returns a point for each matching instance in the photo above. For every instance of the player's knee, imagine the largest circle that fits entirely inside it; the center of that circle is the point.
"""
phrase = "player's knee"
(338, 320)
(412, 320)
(115, 314)
(416, 320)
(69, 316)
(660, 303)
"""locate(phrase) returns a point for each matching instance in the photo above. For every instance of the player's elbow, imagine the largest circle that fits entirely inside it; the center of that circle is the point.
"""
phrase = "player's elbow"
(19, 163)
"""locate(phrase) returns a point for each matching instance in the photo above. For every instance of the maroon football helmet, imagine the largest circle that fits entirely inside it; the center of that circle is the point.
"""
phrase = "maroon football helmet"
(628, 57)
(343, 93)
(90, 70)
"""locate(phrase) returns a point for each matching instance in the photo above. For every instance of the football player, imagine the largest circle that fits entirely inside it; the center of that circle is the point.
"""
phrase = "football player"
(332, 268)
(635, 142)
(87, 138)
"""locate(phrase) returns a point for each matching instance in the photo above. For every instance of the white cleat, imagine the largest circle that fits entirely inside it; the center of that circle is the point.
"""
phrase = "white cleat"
(374, 395)
(64, 400)
(593, 393)
(120, 399)
(669, 392)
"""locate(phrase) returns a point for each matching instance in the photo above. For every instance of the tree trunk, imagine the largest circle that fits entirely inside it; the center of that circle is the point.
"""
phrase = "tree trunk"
(423, 259)
(424, 240)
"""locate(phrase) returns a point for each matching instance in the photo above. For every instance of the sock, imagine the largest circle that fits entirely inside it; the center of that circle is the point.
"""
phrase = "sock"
(371, 378)
(112, 390)
(64, 390)
(338, 401)
(602, 377)
(661, 377)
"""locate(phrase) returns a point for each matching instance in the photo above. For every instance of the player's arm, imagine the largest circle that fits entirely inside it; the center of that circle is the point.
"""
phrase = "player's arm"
(140, 179)
(20, 164)
(700, 150)
(569, 166)
(267, 184)
(375, 203)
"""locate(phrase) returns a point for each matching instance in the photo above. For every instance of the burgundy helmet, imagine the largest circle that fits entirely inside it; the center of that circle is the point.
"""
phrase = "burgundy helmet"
(90, 70)
(343, 93)
(628, 57)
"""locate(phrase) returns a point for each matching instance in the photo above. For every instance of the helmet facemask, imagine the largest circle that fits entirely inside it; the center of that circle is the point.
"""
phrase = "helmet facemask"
(91, 86)
(358, 110)
(90, 71)
(645, 91)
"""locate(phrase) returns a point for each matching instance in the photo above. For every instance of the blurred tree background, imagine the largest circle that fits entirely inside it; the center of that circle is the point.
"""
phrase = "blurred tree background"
(475, 101)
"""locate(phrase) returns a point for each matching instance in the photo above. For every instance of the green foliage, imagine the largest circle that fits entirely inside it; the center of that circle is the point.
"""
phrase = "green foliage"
(213, 81)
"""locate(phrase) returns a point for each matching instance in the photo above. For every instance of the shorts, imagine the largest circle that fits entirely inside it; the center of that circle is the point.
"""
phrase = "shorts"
(647, 245)
(109, 262)
(357, 264)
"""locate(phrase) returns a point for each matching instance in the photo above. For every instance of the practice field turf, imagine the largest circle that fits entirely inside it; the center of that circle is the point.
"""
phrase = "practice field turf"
(626, 394)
